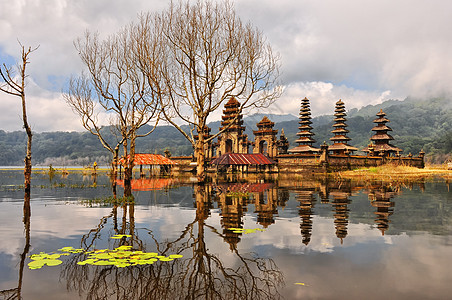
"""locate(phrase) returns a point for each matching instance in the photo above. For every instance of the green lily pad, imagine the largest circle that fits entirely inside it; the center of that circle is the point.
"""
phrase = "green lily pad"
(103, 263)
(88, 261)
(122, 264)
(103, 256)
(36, 264)
(120, 236)
(166, 259)
(245, 231)
(53, 262)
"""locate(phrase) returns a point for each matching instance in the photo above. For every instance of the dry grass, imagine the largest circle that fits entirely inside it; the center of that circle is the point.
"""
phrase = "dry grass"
(397, 173)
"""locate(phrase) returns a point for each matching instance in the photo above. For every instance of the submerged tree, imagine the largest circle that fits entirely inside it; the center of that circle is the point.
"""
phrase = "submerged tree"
(198, 56)
(16, 86)
(117, 85)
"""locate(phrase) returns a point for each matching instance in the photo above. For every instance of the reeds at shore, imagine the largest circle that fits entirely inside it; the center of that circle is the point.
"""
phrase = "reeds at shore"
(391, 172)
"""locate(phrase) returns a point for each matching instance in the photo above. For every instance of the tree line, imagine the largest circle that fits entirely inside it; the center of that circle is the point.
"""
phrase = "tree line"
(417, 125)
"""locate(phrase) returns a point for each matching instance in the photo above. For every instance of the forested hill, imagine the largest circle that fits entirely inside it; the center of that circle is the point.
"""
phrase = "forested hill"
(417, 124)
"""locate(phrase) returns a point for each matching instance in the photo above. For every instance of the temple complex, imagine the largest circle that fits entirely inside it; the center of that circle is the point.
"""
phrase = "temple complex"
(233, 139)
(231, 153)
(305, 139)
(265, 138)
(340, 137)
(381, 137)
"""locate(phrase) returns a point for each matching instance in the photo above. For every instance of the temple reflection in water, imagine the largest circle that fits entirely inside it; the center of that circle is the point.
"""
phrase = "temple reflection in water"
(264, 199)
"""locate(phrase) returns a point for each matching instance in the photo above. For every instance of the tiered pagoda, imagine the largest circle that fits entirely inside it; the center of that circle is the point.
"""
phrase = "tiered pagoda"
(305, 139)
(381, 138)
(340, 138)
(233, 139)
(265, 138)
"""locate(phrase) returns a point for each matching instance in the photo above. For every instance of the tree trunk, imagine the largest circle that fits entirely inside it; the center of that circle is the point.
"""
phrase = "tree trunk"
(128, 168)
(200, 159)
(27, 170)
(114, 171)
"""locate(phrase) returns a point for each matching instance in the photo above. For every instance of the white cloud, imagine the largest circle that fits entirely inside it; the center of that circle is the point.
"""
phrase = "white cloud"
(324, 95)
(354, 50)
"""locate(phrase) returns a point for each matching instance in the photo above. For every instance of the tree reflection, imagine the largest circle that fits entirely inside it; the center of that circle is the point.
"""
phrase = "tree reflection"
(200, 274)
(16, 293)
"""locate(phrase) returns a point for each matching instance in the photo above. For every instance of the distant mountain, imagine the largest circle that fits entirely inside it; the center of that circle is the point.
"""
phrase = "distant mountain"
(417, 124)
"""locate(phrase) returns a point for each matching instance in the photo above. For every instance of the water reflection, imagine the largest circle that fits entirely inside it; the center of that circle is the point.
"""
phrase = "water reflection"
(16, 293)
(381, 199)
(315, 230)
(199, 274)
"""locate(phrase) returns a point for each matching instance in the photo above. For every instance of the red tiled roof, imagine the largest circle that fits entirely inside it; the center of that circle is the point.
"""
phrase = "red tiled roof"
(151, 159)
(243, 159)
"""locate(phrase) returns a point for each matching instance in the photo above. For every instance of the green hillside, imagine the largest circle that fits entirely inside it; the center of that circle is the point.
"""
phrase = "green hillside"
(417, 124)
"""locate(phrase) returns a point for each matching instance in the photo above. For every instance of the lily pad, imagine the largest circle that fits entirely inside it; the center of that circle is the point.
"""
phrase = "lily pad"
(301, 283)
(120, 236)
(36, 264)
(53, 262)
(103, 263)
(166, 259)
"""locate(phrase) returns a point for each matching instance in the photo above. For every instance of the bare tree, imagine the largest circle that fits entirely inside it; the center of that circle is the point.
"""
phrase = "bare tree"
(114, 83)
(198, 56)
(16, 86)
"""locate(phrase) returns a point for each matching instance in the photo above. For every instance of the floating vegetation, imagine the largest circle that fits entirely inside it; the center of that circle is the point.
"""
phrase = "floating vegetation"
(120, 236)
(301, 283)
(245, 231)
(42, 259)
(106, 201)
(122, 256)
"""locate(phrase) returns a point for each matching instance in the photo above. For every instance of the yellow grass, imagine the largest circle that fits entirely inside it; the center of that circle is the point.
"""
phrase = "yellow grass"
(396, 173)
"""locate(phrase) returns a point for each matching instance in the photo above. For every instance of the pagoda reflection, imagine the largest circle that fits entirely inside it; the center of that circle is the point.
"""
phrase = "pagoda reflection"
(341, 213)
(381, 199)
(233, 200)
(306, 200)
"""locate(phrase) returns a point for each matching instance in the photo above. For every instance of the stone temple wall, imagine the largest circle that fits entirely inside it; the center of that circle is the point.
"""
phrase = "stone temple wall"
(301, 162)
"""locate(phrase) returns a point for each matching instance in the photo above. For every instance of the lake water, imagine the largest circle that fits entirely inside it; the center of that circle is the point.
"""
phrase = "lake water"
(317, 239)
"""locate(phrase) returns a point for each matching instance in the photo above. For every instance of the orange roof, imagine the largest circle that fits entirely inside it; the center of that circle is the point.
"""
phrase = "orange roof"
(148, 184)
(151, 159)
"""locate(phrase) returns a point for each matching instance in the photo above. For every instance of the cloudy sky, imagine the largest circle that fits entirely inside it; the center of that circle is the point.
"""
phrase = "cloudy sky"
(360, 51)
